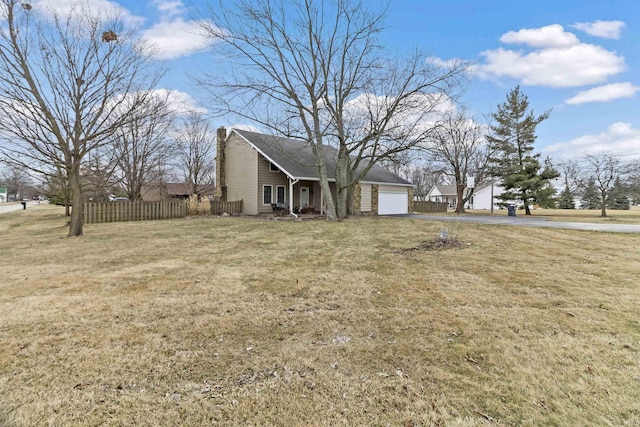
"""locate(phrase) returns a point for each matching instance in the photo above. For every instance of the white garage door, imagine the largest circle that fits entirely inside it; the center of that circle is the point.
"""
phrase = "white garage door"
(392, 201)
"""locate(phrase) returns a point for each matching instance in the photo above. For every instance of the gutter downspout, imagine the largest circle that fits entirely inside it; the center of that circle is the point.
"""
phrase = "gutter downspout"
(291, 184)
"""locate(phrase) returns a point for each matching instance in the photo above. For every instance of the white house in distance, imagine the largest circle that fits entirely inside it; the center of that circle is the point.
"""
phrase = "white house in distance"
(4, 194)
(483, 196)
(443, 193)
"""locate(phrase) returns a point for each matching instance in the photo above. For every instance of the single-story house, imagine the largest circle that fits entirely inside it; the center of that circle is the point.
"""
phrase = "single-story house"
(168, 191)
(485, 195)
(481, 199)
(266, 171)
(443, 193)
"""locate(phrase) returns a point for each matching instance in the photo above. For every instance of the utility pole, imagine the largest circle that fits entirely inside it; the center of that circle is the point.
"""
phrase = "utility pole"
(491, 197)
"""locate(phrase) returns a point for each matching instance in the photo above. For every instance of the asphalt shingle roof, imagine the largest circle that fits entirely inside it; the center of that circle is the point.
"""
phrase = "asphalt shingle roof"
(295, 158)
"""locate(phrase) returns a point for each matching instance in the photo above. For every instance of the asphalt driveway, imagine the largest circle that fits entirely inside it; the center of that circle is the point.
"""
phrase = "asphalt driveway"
(523, 221)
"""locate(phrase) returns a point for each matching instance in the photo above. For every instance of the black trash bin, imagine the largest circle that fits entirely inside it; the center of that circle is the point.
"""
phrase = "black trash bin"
(24, 204)
(512, 210)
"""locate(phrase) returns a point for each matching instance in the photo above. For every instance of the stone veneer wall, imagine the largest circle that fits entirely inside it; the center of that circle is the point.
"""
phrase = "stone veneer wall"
(221, 165)
(357, 199)
(374, 199)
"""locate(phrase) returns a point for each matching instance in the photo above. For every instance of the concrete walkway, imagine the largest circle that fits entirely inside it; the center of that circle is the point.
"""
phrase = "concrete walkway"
(523, 221)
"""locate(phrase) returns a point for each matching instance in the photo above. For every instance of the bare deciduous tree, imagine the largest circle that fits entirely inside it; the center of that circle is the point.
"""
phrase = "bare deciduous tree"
(458, 144)
(196, 148)
(16, 180)
(316, 70)
(603, 169)
(570, 171)
(142, 146)
(633, 181)
(424, 177)
(97, 175)
(63, 86)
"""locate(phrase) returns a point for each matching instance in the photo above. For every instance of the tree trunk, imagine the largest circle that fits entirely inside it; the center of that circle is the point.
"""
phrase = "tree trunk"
(603, 209)
(342, 184)
(75, 225)
(342, 203)
(460, 196)
(350, 201)
(318, 149)
(328, 198)
(525, 200)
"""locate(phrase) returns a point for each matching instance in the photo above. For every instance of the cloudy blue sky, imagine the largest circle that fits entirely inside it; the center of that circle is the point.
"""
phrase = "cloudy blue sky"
(580, 58)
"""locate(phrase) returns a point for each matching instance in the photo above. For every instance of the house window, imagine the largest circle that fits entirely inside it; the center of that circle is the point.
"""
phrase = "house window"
(280, 194)
(267, 192)
(273, 168)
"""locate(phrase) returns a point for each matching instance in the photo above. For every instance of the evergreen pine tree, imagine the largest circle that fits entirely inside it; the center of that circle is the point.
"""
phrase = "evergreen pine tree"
(618, 197)
(590, 196)
(565, 201)
(512, 137)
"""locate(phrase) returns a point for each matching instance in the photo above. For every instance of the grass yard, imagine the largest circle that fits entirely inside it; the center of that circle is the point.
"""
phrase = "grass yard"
(242, 321)
(631, 216)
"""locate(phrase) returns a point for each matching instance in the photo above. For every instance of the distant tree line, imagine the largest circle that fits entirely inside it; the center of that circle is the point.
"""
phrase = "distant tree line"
(80, 110)
(600, 181)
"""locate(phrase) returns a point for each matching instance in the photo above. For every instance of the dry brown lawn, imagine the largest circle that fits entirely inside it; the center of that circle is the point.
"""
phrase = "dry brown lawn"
(242, 321)
(631, 216)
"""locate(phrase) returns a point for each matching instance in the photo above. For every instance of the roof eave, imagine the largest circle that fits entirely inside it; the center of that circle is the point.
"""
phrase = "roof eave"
(397, 184)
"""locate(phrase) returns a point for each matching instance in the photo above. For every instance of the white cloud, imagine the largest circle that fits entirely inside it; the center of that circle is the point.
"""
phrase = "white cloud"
(173, 36)
(173, 39)
(604, 93)
(556, 59)
(620, 138)
(446, 63)
(604, 29)
(98, 8)
(549, 36)
(179, 102)
(169, 8)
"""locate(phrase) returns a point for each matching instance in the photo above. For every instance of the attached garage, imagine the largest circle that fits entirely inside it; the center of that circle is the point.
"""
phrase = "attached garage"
(393, 200)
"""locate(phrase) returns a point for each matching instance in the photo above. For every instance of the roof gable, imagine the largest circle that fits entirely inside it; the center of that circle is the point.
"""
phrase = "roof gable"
(447, 190)
(295, 158)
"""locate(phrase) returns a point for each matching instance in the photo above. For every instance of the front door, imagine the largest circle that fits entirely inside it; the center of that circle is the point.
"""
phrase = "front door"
(304, 196)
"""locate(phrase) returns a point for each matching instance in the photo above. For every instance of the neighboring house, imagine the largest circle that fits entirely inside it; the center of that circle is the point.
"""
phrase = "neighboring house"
(443, 193)
(168, 191)
(486, 195)
(4, 194)
(481, 199)
(266, 172)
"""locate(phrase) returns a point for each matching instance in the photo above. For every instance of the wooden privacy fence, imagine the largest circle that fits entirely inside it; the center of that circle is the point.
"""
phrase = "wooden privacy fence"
(218, 207)
(427, 206)
(97, 212)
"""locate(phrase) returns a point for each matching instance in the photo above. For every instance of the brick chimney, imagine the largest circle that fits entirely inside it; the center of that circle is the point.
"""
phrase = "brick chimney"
(221, 164)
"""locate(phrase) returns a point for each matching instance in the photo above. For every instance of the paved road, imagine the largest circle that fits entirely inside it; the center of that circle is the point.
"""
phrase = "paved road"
(532, 222)
(10, 207)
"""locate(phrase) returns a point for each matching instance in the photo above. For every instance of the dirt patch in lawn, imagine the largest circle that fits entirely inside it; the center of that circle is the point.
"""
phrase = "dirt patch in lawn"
(437, 245)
